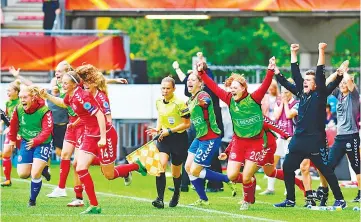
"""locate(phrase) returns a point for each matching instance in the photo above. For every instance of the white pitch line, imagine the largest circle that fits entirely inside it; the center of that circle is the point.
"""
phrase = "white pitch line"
(121, 215)
(180, 205)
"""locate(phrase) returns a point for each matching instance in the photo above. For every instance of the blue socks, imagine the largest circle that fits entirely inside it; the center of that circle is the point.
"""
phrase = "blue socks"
(35, 188)
(198, 183)
(212, 175)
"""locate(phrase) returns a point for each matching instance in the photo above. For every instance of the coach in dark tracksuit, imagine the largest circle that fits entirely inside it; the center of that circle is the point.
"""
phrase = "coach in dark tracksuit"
(309, 140)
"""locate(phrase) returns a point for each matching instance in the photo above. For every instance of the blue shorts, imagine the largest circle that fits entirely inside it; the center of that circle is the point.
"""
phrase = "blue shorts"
(204, 150)
(41, 152)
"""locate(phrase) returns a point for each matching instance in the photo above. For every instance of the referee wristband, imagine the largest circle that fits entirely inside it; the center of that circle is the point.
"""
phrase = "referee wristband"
(169, 131)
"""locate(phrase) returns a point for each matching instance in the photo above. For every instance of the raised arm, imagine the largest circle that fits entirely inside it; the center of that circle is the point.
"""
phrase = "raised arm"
(349, 81)
(295, 69)
(261, 91)
(320, 70)
(334, 83)
(16, 74)
(179, 72)
(289, 86)
(220, 93)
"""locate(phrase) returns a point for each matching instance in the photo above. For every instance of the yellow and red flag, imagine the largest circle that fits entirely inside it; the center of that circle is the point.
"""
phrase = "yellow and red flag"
(148, 155)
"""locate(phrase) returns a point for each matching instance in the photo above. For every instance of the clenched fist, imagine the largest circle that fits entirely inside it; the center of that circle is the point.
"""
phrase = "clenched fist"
(295, 47)
(322, 46)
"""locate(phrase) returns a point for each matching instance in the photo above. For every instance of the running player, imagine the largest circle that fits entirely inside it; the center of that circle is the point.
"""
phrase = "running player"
(207, 141)
(98, 139)
(13, 95)
(246, 113)
(266, 161)
(173, 120)
(33, 121)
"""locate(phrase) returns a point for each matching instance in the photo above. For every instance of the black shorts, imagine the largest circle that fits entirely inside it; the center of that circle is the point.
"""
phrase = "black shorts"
(176, 146)
(58, 137)
(346, 144)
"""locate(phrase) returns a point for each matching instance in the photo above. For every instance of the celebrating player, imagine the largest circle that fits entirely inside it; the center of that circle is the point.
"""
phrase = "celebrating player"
(33, 121)
(98, 139)
(267, 161)
(207, 141)
(247, 122)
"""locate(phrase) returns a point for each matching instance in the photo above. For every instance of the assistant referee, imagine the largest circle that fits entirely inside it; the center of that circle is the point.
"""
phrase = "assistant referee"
(173, 120)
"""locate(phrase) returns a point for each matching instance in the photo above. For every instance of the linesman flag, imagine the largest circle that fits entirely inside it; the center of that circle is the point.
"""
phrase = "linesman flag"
(148, 154)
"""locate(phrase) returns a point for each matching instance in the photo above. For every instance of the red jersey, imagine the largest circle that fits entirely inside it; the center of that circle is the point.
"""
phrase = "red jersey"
(85, 106)
(103, 102)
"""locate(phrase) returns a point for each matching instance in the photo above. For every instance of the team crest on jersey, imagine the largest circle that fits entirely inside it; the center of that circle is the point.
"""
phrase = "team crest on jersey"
(106, 104)
(20, 158)
(87, 105)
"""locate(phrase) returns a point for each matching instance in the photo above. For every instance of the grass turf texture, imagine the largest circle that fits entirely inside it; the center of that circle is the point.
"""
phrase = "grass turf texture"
(133, 203)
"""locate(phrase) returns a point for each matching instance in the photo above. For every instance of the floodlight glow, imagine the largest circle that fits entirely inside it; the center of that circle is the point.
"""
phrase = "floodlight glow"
(177, 16)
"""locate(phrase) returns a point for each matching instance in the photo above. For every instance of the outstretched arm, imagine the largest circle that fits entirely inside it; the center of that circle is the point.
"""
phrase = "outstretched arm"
(115, 81)
(289, 86)
(179, 72)
(16, 74)
(295, 69)
(56, 100)
(320, 70)
(261, 91)
(220, 93)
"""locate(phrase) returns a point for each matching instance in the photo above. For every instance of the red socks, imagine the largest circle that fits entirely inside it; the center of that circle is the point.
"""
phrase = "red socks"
(78, 192)
(277, 173)
(64, 172)
(7, 167)
(86, 179)
(123, 170)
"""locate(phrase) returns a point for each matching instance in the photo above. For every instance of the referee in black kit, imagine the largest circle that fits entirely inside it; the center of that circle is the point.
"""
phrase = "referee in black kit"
(309, 140)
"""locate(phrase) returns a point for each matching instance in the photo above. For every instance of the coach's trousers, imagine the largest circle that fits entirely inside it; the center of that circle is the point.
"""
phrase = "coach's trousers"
(292, 162)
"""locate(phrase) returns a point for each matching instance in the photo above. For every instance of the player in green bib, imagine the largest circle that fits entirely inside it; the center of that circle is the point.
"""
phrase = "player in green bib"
(33, 121)
(13, 95)
(247, 120)
(207, 141)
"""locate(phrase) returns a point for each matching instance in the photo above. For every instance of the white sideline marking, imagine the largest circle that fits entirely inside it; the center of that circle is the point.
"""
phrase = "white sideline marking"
(149, 201)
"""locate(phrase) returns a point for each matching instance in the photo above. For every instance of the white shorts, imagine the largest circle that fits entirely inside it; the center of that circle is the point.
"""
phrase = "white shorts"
(282, 147)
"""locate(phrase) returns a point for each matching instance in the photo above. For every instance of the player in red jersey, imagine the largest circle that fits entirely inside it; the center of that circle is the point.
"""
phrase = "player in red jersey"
(98, 138)
(246, 114)
(266, 160)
